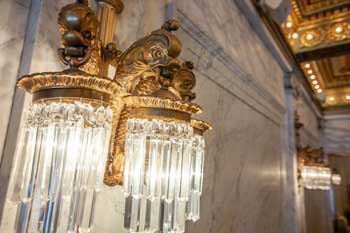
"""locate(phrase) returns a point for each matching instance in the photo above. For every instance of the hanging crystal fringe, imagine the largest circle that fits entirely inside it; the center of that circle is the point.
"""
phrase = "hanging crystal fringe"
(162, 175)
(314, 177)
(60, 162)
(196, 183)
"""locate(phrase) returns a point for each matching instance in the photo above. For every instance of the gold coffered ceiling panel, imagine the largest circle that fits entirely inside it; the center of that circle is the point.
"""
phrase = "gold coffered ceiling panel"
(318, 32)
(335, 70)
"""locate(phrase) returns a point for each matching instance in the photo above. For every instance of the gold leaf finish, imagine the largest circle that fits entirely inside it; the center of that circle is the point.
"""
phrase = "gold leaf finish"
(70, 79)
(200, 126)
(149, 80)
(154, 102)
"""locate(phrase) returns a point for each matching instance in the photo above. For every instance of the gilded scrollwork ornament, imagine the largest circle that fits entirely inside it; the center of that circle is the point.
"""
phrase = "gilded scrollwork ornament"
(90, 119)
(78, 27)
(144, 59)
(184, 81)
(149, 73)
(149, 70)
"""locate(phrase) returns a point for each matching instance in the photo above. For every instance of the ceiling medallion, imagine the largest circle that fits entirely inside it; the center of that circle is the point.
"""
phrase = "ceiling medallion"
(135, 130)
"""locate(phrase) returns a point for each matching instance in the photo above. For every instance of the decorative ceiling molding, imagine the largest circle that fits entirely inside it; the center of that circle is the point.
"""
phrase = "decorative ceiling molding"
(318, 33)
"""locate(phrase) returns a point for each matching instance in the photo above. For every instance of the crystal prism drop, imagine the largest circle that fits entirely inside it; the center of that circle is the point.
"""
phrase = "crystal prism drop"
(158, 175)
(58, 166)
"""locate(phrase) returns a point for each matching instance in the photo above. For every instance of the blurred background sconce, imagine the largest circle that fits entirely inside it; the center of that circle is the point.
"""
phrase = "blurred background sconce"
(313, 171)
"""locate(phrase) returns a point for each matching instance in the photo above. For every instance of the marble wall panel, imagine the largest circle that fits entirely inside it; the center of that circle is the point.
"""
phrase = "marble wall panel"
(11, 45)
(341, 164)
(228, 27)
(240, 86)
(318, 211)
(292, 217)
(139, 18)
(38, 54)
(312, 220)
(336, 131)
(242, 189)
(242, 186)
(310, 133)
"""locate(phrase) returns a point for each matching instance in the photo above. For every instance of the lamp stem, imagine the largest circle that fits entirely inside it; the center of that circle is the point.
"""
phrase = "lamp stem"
(107, 11)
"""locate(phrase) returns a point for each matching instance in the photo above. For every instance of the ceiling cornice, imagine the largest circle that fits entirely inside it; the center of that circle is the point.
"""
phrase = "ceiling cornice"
(285, 50)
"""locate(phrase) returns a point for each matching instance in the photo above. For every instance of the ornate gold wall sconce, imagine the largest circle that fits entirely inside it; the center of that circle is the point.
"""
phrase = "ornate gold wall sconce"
(336, 178)
(134, 130)
(313, 171)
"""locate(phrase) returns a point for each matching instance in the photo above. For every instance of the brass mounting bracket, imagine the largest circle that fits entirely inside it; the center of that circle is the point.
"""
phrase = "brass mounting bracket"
(148, 70)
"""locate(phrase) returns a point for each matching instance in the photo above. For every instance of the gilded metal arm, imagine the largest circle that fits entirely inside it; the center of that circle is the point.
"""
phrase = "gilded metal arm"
(149, 67)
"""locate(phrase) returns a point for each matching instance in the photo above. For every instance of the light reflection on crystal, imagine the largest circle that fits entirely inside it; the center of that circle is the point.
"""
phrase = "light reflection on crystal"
(336, 179)
(315, 177)
(163, 173)
(59, 166)
(196, 182)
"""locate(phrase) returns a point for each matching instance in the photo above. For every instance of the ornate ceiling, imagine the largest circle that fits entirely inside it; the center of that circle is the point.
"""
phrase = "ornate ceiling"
(318, 32)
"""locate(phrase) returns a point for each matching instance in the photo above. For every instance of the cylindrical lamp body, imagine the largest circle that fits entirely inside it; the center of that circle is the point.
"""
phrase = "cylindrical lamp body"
(61, 154)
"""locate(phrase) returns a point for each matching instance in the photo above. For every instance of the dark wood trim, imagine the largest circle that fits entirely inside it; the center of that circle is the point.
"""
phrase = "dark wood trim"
(327, 52)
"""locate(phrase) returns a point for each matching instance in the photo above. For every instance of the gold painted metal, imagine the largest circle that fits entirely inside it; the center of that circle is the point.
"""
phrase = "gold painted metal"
(77, 93)
(150, 81)
(306, 156)
(151, 72)
(140, 67)
(162, 103)
(160, 114)
(320, 28)
(320, 23)
(117, 5)
(107, 11)
(148, 107)
(200, 127)
(184, 81)
(78, 27)
(75, 79)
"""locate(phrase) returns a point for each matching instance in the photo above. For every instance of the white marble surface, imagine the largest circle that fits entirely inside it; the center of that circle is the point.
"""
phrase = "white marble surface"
(226, 25)
(341, 192)
(293, 219)
(310, 134)
(242, 186)
(319, 218)
(240, 87)
(314, 207)
(242, 170)
(37, 53)
(336, 131)
(11, 45)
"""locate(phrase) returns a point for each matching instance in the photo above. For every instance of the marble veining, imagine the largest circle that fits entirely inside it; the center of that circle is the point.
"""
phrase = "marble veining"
(11, 45)
(241, 181)
(341, 192)
(239, 85)
(336, 133)
(319, 217)
(226, 72)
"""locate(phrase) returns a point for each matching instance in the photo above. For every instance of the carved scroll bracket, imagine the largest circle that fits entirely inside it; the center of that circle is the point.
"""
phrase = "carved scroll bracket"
(149, 67)
(78, 27)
